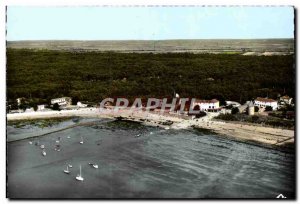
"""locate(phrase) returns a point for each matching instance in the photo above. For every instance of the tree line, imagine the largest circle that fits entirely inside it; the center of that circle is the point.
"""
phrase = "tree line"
(40, 75)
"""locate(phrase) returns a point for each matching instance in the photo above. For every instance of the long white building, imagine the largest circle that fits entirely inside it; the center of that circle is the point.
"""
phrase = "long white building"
(264, 102)
(206, 105)
(64, 101)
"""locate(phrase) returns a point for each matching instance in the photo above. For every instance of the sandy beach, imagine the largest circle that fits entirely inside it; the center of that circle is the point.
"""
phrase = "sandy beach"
(265, 136)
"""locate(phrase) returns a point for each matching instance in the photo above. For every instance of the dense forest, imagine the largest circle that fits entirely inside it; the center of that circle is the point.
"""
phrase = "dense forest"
(91, 76)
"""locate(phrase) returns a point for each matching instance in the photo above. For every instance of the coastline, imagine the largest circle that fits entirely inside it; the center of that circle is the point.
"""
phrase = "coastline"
(275, 138)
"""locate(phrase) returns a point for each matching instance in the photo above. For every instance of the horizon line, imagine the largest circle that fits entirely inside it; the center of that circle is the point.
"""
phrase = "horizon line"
(287, 38)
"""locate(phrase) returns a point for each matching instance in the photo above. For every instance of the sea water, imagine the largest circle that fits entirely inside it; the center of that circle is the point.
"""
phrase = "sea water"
(137, 161)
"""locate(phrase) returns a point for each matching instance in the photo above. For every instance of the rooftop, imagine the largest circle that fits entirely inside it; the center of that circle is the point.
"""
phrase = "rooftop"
(265, 99)
(206, 101)
(285, 97)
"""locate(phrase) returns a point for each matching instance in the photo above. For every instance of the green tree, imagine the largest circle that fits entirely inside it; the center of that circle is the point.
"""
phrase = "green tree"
(35, 107)
(55, 107)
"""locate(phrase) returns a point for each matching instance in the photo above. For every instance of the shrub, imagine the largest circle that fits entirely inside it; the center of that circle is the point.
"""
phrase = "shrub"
(226, 116)
(254, 118)
(234, 110)
(268, 108)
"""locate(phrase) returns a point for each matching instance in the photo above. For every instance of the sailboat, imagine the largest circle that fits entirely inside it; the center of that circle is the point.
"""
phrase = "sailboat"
(44, 152)
(57, 147)
(67, 170)
(79, 177)
(81, 142)
(94, 165)
(70, 165)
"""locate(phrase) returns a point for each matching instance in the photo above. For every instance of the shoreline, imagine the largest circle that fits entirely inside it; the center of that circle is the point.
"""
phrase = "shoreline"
(275, 138)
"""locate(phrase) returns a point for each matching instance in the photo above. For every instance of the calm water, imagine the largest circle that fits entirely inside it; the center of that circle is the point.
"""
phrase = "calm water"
(137, 161)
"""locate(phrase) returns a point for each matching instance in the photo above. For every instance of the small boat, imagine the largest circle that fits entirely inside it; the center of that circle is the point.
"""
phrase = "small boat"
(37, 143)
(69, 165)
(68, 137)
(30, 142)
(79, 177)
(94, 165)
(67, 170)
(42, 146)
(57, 148)
(81, 142)
(44, 152)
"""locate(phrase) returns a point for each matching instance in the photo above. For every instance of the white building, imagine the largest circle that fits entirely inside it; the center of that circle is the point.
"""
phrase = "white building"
(81, 105)
(64, 101)
(286, 99)
(264, 102)
(206, 105)
(251, 109)
(41, 107)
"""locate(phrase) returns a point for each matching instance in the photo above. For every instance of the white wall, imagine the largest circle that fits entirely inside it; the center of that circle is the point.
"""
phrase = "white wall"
(205, 106)
(274, 104)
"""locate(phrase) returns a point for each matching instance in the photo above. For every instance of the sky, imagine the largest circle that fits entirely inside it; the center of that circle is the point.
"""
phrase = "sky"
(148, 23)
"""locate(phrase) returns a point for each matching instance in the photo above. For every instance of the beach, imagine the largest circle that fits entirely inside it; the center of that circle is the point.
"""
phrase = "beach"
(256, 134)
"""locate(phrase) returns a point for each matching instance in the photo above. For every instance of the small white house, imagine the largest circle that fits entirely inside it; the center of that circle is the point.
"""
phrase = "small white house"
(41, 107)
(264, 102)
(64, 101)
(206, 105)
(286, 99)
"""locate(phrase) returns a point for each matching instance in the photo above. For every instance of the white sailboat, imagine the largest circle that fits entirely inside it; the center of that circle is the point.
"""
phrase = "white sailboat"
(44, 152)
(57, 147)
(81, 142)
(79, 177)
(67, 170)
(70, 165)
(94, 165)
